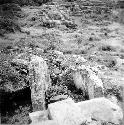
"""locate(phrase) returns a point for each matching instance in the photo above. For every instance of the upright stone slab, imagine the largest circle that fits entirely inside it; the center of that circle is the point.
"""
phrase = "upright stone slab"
(86, 80)
(80, 80)
(39, 82)
(94, 85)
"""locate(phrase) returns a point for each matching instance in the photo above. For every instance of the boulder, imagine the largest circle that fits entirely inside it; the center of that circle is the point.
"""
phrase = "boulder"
(65, 112)
(101, 110)
(39, 82)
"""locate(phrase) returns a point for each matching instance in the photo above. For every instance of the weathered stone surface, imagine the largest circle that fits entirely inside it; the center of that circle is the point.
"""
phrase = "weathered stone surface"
(47, 122)
(38, 116)
(87, 80)
(39, 82)
(113, 98)
(80, 80)
(65, 112)
(99, 109)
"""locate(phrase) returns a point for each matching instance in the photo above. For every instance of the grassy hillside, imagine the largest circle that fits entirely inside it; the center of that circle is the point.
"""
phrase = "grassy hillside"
(25, 2)
(87, 29)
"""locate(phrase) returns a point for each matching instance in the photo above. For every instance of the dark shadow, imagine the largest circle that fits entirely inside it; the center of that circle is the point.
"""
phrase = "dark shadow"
(10, 102)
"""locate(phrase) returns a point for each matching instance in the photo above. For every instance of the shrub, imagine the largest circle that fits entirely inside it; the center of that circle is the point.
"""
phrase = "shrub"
(54, 91)
(25, 2)
(20, 116)
(8, 18)
(40, 2)
(12, 75)
(49, 24)
(69, 24)
(107, 48)
(9, 25)
(12, 7)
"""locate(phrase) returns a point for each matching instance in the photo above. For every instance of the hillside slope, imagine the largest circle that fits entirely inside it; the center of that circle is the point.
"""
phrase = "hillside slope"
(66, 35)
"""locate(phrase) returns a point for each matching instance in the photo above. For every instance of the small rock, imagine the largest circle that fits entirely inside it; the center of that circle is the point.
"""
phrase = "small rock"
(38, 116)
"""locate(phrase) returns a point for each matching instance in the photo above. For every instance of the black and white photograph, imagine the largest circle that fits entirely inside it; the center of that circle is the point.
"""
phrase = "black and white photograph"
(62, 62)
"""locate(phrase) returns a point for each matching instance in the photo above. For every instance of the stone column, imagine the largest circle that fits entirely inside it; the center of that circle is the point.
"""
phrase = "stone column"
(39, 82)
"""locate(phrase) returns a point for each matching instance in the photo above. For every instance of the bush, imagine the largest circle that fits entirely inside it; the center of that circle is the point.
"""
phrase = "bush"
(8, 18)
(107, 48)
(5, 1)
(25, 2)
(13, 77)
(10, 7)
(49, 24)
(20, 116)
(42, 1)
(9, 25)
(69, 25)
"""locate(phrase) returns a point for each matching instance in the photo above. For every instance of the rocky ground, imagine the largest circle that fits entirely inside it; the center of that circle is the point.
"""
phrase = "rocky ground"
(62, 55)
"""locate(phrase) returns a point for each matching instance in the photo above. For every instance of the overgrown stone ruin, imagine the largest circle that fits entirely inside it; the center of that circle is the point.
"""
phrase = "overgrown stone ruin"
(83, 78)
(61, 62)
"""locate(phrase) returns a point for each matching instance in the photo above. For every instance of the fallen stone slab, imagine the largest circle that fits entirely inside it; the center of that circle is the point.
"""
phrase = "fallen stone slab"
(99, 109)
(65, 112)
